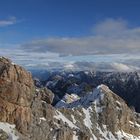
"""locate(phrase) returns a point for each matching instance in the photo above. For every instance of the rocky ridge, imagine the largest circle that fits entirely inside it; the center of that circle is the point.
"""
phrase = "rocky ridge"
(103, 111)
(27, 114)
(124, 84)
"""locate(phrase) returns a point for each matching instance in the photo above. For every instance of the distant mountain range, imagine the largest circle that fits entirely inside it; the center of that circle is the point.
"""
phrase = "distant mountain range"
(124, 84)
(74, 109)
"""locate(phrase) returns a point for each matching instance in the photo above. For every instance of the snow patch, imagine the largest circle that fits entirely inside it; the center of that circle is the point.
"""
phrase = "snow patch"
(122, 134)
(74, 121)
(43, 119)
(13, 63)
(92, 97)
(37, 90)
(10, 130)
(138, 125)
(118, 103)
(134, 124)
(75, 137)
(87, 120)
(60, 116)
(54, 137)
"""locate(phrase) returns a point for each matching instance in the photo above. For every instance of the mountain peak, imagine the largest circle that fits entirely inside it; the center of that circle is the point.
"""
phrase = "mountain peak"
(100, 114)
(96, 94)
(107, 112)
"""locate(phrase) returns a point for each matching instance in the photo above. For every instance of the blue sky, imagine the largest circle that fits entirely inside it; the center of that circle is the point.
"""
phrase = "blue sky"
(45, 18)
(42, 31)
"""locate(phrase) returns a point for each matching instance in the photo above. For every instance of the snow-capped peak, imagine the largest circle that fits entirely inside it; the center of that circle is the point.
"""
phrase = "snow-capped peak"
(103, 88)
(69, 98)
(87, 100)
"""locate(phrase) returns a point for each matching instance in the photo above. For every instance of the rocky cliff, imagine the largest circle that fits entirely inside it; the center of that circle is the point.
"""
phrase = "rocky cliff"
(102, 114)
(16, 92)
(99, 115)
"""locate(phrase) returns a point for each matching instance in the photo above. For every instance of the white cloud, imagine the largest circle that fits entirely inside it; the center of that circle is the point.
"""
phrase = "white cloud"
(123, 67)
(28, 59)
(49, 60)
(112, 41)
(110, 37)
(9, 21)
(110, 27)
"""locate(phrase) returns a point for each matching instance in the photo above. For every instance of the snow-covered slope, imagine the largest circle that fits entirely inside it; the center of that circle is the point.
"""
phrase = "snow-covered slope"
(86, 101)
(10, 131)
(124, 84)
(101, 114)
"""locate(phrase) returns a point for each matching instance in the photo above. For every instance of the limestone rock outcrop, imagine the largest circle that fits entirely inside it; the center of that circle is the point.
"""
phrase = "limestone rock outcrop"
(16, 92)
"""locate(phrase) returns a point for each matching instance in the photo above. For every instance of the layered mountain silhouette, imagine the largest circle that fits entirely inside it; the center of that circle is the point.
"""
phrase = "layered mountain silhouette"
(27, 112)
(124, 84)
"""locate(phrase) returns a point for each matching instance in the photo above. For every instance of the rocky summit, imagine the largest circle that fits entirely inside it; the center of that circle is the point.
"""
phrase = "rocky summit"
(26, 112)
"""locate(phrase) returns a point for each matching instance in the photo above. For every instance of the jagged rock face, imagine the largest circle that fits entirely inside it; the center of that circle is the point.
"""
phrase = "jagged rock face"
(98, 115)
(16, 92)
(101, 114)
(116, 114)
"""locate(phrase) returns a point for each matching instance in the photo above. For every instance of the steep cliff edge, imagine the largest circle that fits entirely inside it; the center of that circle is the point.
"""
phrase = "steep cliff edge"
(16, 93)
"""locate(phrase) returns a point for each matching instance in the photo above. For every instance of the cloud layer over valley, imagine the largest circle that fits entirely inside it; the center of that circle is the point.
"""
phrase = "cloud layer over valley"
(111, 45)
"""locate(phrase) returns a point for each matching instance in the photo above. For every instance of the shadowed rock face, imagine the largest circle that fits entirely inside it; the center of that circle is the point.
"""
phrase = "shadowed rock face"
(16, 92)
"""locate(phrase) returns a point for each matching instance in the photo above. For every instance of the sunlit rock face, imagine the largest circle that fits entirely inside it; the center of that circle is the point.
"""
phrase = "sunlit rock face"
(16, 92)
